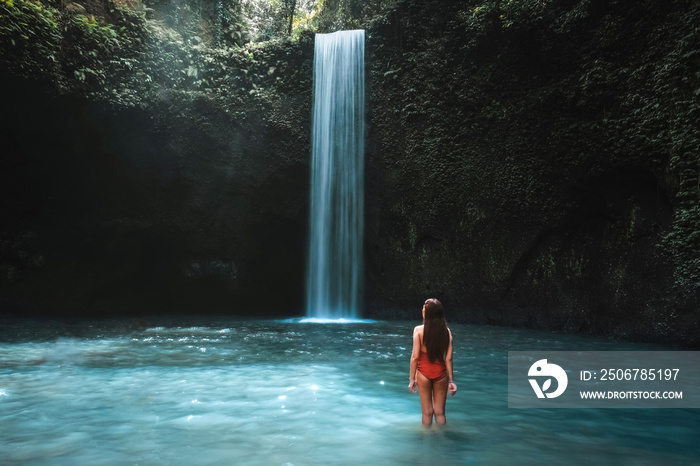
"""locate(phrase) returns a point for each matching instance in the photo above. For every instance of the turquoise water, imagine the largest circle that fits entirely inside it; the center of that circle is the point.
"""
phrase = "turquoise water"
(202, 391)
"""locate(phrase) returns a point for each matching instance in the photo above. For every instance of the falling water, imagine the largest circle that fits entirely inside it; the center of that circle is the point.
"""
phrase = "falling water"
(335, 252)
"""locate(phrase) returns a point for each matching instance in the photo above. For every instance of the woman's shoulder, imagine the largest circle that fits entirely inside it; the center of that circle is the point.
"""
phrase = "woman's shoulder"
(418, 329)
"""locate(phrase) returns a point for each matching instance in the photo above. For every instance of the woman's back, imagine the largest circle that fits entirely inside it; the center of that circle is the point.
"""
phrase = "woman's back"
(431, 362)
(419, 330)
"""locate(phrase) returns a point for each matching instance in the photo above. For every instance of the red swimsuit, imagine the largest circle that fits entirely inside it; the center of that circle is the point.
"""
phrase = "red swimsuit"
(431, 370)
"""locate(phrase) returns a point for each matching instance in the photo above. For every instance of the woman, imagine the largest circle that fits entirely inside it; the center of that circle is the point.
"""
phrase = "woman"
(431, 363)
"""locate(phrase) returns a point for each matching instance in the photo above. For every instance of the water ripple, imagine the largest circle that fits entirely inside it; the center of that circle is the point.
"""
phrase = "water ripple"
(275, 392)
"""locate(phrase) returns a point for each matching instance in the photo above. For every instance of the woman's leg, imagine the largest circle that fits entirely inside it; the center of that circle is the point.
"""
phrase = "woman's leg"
(439, 398)
(425, 389)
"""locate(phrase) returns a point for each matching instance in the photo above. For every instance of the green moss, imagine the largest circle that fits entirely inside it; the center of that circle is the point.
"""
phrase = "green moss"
(545, 265)
(472, 218)
(412, 236)
(575, 264)
(495, 262)
(632, 219)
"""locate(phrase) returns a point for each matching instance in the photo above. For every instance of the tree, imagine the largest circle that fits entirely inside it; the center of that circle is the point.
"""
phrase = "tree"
(291, 5)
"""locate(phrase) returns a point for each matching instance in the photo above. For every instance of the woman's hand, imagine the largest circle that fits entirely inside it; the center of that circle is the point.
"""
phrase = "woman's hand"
(412, 386)
(452, 388)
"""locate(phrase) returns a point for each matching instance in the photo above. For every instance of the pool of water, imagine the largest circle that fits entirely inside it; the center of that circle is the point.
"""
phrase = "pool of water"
(202, 391)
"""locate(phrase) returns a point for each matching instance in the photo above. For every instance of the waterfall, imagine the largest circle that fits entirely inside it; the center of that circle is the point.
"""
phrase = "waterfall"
(336, 230)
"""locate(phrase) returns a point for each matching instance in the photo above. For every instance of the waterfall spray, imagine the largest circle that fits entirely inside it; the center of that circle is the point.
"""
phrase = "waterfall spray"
(336, 231)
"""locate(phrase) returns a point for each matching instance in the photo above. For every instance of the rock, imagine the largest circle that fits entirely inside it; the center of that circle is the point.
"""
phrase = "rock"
(74, 7)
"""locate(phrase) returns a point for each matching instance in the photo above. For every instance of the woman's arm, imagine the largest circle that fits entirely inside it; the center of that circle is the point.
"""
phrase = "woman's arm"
(452, 386)
(415, 354)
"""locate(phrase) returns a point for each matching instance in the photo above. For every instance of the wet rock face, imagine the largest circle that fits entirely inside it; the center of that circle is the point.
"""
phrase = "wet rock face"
(162, 170)
(510, 175)
(172, 209)
(540, 171)
(591, 263)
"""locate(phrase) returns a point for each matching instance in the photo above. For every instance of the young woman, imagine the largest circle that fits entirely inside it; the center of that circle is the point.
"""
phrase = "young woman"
(431, 363)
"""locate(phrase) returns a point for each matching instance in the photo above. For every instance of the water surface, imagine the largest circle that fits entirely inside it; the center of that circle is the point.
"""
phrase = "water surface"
(202, 391)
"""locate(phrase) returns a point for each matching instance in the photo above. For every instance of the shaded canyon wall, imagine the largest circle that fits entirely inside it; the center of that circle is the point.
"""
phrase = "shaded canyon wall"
(533, 167)
(534, 174)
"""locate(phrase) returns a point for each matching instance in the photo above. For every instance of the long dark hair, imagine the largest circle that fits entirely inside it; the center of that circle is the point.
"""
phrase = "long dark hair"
(436, 337)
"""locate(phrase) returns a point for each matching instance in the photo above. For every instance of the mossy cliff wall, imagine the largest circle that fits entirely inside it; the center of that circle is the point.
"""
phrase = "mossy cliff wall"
(148, 172)
(529, 163)
(537, 166)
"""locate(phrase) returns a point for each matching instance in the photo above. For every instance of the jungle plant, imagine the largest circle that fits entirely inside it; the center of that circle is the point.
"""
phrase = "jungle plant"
(29, 35)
